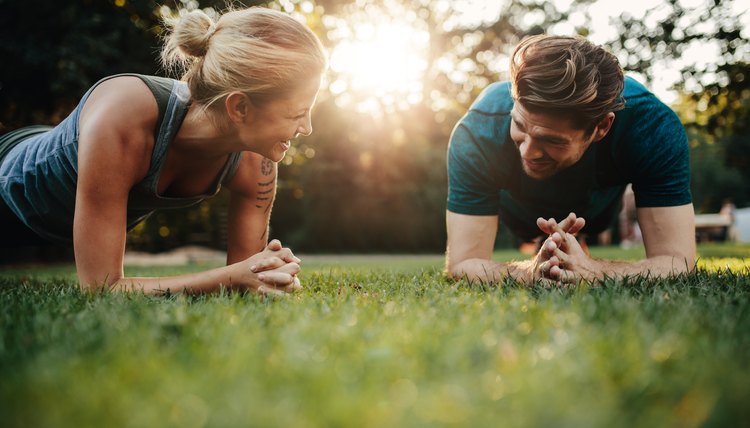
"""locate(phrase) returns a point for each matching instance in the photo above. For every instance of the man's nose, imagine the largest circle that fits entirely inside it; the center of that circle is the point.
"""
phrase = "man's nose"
(530, 149)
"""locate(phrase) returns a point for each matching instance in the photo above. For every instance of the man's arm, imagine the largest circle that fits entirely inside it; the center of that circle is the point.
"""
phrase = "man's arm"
(471, 240)
(668, 236)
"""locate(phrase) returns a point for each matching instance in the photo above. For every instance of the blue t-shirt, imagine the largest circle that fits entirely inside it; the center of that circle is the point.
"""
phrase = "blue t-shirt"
(646, 146)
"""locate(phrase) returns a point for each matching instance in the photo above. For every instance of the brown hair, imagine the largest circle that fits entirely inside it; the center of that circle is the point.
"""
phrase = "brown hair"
(569, 76)
(261, 52)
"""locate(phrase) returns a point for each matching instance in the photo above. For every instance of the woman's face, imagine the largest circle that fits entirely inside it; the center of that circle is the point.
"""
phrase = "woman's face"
(274, 124)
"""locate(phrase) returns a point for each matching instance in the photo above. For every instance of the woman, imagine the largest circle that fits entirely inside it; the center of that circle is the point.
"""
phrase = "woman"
(139, 143)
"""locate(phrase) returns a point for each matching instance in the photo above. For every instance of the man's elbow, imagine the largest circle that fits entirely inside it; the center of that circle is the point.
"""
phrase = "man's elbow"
(685, 264)
(677, 264)
(455, 269)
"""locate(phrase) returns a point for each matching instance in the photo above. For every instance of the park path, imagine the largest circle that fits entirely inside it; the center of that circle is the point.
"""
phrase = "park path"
(195, 254)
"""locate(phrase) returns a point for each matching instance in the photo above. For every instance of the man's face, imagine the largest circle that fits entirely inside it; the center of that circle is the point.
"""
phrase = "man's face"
(548, 144)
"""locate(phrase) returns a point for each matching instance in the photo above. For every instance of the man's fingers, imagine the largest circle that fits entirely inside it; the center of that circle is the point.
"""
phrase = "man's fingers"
(557, 238)
(571, 224)
(543, 225)
(577, 226)
(555, 272)
(562, 275)
(565, 276)
(546, 225)
(561, 255)
(547, 282)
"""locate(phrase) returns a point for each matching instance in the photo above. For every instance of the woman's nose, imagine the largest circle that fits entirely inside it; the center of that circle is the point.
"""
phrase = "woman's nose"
(305, 127)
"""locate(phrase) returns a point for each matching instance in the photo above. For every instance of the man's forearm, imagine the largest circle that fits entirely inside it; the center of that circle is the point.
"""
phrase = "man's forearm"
(658, 266)
(487, 271)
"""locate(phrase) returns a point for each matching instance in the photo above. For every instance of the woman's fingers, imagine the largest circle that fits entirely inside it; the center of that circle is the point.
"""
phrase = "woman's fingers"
(291, 287)
(278, 285)
(274, 245)
(265, 290)
(287, 255)
(282, 276)
(268, 263)
(276, 249)
(290, 268)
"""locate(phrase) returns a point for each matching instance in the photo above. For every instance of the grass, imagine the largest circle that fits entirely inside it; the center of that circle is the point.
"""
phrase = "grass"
(372, 342)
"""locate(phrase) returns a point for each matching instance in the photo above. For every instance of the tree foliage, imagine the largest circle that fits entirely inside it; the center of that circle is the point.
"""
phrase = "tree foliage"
(715, 101)
(374, 180)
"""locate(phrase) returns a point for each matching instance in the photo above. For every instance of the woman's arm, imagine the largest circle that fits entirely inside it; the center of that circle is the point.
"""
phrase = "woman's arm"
(114, 153)
(253, 189)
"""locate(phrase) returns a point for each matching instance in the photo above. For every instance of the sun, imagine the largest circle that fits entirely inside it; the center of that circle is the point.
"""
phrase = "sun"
(378, 62)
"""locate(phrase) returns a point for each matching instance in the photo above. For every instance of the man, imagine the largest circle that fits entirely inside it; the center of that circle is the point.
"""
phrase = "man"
(566, 135)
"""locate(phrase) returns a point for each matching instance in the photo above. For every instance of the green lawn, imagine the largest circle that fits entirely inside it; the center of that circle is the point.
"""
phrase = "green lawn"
(378, 342)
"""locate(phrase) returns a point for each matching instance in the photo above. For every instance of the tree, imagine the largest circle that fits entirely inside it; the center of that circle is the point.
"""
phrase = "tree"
(709, 45)
(372, 176)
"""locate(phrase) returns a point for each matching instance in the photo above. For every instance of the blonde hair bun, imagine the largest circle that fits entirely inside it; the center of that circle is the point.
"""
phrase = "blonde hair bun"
(191, 34)
(261, 52)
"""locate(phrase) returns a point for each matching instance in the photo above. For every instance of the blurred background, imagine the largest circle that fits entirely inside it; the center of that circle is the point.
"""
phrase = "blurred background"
(372, 177)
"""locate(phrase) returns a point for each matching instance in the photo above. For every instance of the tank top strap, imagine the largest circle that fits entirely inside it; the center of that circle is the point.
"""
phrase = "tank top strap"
(231, 168)
(177, 108)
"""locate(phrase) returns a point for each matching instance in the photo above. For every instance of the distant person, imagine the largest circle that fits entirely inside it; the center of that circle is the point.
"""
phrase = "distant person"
(561, 140)
(728, 210)
(630, 232)
(139, 143)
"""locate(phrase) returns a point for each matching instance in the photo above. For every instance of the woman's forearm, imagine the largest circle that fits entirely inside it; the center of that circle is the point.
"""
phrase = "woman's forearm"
(193, 283)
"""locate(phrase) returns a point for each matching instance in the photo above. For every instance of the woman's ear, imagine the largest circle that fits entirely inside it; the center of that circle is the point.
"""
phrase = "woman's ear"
(238, 107)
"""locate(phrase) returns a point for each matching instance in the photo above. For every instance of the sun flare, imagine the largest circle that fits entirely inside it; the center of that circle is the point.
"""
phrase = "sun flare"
(378, 64)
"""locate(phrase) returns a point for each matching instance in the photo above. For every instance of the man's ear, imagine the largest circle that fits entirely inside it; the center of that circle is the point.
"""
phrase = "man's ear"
(238, 107)
(603, 127)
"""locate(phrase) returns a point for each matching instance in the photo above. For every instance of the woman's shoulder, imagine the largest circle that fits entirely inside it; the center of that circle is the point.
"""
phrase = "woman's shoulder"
(123, 104)
(117, 121)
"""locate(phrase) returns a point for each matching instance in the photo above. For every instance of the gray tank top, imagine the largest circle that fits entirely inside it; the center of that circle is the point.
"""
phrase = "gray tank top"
(39, 169)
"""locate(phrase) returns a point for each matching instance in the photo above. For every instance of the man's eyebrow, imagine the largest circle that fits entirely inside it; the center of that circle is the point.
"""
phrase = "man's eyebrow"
(552, 138)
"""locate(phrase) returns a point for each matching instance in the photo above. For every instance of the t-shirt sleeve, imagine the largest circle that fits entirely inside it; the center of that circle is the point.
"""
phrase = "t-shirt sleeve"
(661, 175)
(473, 184)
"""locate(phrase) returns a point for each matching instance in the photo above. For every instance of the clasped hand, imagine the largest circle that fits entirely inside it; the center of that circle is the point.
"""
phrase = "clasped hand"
(561, 257)
(273, 271)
